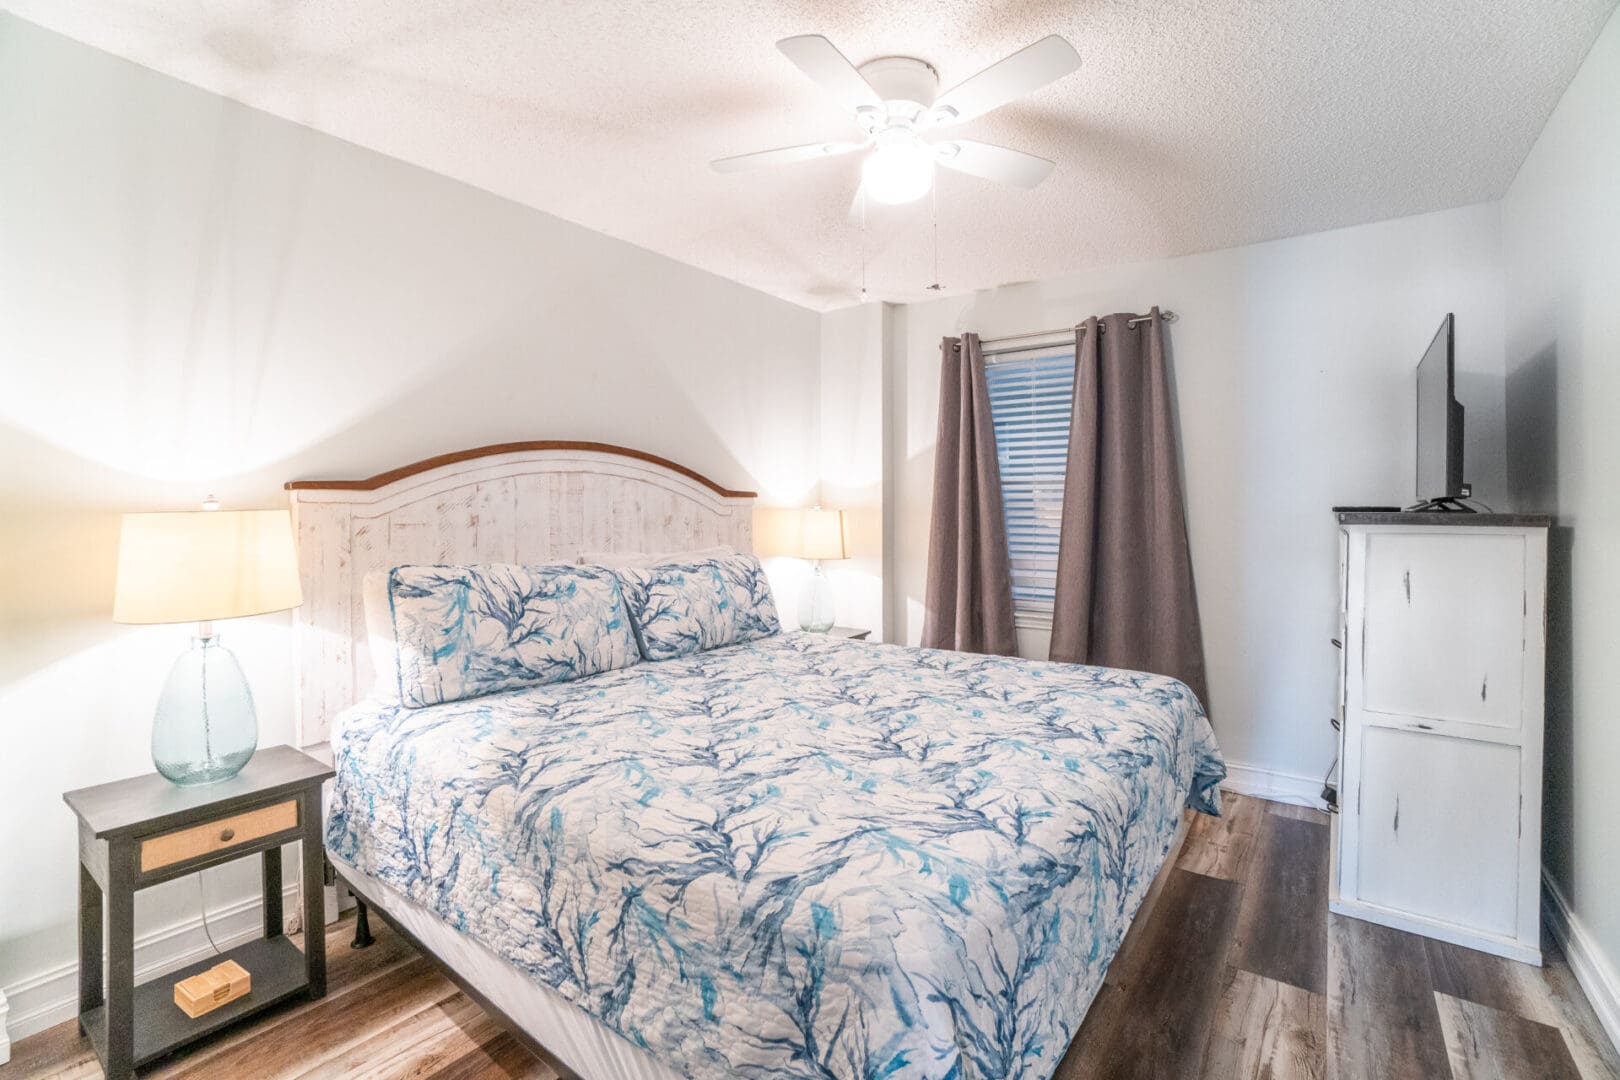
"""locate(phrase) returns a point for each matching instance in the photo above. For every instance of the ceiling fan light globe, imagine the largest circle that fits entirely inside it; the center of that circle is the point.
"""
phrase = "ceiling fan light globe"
(900, 172)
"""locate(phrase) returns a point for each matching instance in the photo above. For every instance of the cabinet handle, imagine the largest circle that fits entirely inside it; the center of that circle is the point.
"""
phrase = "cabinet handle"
(227, 835)
(1337, 644)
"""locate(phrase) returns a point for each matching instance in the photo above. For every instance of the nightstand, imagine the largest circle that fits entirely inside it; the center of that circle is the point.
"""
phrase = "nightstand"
(853, 633)
(144, 831)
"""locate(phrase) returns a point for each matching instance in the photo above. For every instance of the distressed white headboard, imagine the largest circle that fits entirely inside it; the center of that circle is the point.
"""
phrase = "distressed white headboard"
(531, 502)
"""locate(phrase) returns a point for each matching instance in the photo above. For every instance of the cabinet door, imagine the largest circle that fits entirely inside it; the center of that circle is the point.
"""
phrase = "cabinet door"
(1443, 630)
(1438, 823)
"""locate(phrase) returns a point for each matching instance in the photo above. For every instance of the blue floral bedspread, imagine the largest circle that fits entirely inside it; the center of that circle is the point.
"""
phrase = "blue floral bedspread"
(797, 857)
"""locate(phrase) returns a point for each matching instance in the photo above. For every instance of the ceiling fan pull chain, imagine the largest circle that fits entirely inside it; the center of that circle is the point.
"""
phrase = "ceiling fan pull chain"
(863, 244)
(936, 286)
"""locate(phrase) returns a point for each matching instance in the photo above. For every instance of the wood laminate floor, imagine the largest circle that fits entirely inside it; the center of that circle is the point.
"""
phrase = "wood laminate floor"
(1233, 969)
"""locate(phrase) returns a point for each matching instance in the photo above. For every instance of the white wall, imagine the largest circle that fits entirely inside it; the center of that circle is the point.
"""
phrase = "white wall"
(855, 352)
(1293, 368)
(196, 297)
(1561, 238)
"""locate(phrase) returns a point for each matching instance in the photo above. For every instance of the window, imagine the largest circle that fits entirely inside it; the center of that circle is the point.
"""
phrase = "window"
(1030, 395)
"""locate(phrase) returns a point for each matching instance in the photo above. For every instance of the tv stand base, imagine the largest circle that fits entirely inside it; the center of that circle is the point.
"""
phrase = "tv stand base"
(1448, 505)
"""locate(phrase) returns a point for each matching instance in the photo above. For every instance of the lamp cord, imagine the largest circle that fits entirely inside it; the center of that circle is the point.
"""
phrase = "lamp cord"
(202, 902)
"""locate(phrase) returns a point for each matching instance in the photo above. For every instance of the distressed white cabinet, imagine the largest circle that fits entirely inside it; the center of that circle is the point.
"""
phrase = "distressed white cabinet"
(1443, 628)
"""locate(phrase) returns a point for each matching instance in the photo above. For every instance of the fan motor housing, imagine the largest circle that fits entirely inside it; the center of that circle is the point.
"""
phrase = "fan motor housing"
(902, 79)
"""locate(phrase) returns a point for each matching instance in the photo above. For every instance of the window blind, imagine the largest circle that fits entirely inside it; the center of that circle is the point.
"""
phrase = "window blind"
(1030, 397)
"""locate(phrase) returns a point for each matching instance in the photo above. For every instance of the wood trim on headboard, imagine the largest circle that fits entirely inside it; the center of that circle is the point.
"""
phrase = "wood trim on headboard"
(372, 483)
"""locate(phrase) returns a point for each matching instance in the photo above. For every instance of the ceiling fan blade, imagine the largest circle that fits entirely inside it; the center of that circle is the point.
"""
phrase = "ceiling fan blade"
(783, 156)
(829, 69)
(996, 163)
(1024, 72)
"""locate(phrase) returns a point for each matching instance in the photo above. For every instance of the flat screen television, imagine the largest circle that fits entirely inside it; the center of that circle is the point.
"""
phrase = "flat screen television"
(1439, 421)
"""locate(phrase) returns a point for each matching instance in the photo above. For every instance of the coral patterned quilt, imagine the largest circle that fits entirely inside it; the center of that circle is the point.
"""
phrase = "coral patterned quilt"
(795, 857)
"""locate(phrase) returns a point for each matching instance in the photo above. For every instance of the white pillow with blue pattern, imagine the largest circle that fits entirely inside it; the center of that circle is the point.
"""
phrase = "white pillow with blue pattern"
(687, 606)
(465, 631)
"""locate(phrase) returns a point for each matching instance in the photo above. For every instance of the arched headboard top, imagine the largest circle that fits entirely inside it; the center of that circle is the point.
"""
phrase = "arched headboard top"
(528, 502)
(458, 457)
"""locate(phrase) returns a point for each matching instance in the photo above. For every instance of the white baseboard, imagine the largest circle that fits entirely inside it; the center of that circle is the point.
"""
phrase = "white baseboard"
(5, 1038)
(1277, 786)
(1593, 970)
(50, 997)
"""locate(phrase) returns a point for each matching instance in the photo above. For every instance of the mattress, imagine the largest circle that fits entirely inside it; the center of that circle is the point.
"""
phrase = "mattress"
(800, 857)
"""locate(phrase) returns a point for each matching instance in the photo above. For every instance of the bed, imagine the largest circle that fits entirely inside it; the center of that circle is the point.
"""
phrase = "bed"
(793, 856)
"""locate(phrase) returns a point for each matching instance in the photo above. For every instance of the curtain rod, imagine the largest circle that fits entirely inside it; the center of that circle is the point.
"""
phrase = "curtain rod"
(988, 343)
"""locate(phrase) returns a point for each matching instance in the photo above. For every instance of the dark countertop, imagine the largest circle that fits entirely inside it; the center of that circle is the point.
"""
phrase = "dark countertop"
(1444, 517)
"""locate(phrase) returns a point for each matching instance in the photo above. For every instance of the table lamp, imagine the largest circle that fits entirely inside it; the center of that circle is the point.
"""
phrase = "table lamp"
(203, 566)
(820, 536)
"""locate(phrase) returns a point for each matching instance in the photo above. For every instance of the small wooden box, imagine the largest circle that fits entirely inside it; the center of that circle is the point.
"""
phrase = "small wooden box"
(213, 988)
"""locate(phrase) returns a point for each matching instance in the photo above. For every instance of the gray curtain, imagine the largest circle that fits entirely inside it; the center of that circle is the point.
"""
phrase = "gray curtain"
(1124, 581)
(969, 604)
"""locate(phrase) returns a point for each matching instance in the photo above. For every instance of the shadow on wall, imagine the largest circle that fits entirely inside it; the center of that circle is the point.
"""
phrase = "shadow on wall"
(1187, 509)
(1532, 464)
(59, 522)
(1481, 393)
(56, 581)
(60, 508)
(314, 305)
(1558, 805)
(1532, 432)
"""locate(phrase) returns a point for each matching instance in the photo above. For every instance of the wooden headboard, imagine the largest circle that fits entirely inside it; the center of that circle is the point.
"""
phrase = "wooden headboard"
(530, 502)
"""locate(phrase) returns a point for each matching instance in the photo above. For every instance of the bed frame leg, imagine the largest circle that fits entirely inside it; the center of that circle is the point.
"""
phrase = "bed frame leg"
(362, 926)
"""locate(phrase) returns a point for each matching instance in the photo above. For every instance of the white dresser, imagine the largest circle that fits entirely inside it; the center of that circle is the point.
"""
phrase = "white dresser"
(1441, 686)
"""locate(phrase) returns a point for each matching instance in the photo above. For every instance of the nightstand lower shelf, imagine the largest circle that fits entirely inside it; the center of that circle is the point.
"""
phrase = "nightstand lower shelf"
(275, 964)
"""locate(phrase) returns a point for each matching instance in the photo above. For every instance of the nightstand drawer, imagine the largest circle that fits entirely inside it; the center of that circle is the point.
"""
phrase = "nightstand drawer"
(184, 844)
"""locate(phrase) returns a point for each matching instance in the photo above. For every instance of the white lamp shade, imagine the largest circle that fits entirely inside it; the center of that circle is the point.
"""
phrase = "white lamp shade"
(199, 566)
(821, 535)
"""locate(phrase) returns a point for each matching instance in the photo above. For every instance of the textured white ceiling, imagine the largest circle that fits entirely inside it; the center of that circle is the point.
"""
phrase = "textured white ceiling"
(1191, 126)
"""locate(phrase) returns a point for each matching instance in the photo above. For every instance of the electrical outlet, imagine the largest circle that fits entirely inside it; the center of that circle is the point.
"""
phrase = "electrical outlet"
(293, 923)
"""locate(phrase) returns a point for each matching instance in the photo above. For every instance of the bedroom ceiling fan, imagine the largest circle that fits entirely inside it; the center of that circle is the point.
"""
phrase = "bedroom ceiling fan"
(893, 100)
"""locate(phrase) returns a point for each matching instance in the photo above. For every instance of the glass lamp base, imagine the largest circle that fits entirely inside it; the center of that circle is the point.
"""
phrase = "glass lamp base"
(816, 610)
(205, 729)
